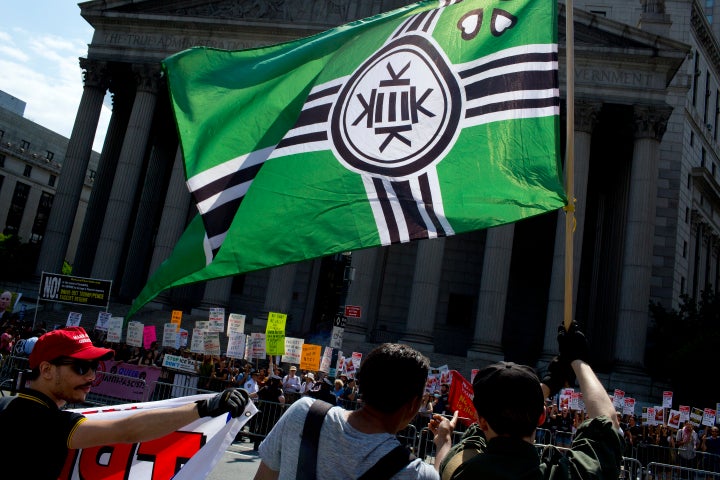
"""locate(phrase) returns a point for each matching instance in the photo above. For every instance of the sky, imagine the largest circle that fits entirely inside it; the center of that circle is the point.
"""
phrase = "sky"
(40, 43)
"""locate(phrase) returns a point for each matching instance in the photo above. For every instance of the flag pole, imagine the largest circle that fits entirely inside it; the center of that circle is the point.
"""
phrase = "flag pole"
(569, 160)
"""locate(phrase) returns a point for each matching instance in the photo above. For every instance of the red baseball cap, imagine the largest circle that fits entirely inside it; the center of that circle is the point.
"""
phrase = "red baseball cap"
(70, 342)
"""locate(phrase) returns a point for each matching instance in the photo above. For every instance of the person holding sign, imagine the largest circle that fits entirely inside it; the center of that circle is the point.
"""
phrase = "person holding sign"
(510, 403)
(351, 444)
(63, 365)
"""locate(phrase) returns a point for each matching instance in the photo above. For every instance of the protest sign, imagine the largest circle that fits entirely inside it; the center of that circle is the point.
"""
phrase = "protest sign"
(135, 334)
(709, 417)
(115, 325)
(674, 419)
(629, 406)
(176, 317)
(126, 381)
(211, 342)
(73, 319)
(684, 413)
(618, 399)
(564, 398)
(216, 320)
(258, 345)
(149, 336)
(338, 330)
(182, 338)
(197, 342)
(326, 359)
(650, 415)
(696, 416)
(189, 453)
(310, 357)
(275, 333)
(236, 345)
(576, 401)
(667, 399)
(170, 335)
(181, 364)
(460, 398)
(102, 321)
(293, 350)
(203, 325)
(236, 324)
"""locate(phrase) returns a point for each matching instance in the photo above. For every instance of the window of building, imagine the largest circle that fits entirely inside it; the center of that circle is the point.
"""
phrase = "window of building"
(684, 249)
(687, 214)
(49, 155)
(2, 160)
(706, 104)
(696, 76)
(41, 217)
(717, 112)
(17, 208)
(600, 13)
(682, 285)
(27, 171)
(703, 157)
(689, 180)
(460, 310)
(52, 180)
(25, 144)
(92, 174)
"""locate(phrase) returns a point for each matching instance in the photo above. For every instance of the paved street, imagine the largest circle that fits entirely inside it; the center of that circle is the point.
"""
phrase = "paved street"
(238, 462)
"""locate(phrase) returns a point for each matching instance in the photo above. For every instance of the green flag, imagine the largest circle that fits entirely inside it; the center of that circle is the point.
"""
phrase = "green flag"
(434, 119)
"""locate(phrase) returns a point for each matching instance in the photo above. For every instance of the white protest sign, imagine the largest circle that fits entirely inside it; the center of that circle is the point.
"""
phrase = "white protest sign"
(73, 319)
(709, 417)
(170, 335)
(667, 399)
(684, 413)
(102, 321)
(674, 419)
(629, 406)
(236, 324)
(216, 320)
(182, 364)
(197, 342)
(258, 345)
(293, 349)
(618, 399)
(203, 325)
(212, 343)
(115, 325)
(135, 334)
(325, 360)
(236, 345)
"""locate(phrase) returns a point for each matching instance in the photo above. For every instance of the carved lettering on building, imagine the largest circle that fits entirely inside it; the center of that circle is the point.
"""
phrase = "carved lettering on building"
(171, 42)
(613, 77)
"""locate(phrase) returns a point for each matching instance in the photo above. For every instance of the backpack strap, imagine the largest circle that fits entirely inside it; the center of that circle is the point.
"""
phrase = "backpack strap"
(307, 460)
(394, 461)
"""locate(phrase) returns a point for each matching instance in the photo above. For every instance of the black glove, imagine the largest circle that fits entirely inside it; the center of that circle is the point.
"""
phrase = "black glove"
(232, 400)
(559, 372)
(572, 343)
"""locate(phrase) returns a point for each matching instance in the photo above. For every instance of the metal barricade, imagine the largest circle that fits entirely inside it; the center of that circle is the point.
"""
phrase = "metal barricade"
(544, 436)
(631, 469)
(164, 390)
(264, 420)
(659, 471)
(408, 436)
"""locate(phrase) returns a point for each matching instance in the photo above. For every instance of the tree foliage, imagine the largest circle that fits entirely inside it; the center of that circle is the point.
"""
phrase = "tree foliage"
(683, 347)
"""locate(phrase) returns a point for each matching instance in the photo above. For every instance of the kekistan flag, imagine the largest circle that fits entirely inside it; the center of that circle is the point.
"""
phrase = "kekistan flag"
(434, 119)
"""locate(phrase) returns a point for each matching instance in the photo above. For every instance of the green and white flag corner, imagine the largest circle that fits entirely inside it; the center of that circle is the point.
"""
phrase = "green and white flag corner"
(435, 119)
(203, 442)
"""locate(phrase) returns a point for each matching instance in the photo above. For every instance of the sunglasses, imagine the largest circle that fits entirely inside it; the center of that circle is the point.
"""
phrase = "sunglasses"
(81, 367)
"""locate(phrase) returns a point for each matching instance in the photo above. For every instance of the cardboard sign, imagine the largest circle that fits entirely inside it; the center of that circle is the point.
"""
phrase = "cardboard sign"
(135, 334)
(236, 324)
(674, 419)
(73, 319)
(102, 321)
(149, 336)
(275, 333)
(709, 417)
(170, 335)
(236, 345)
(667, 399)
(310, 357)
(293, 350)
(216, 320)
(618, 399)
(629, 406)
(176, 318)
(115, 326)
(326, 359)
(197, 342)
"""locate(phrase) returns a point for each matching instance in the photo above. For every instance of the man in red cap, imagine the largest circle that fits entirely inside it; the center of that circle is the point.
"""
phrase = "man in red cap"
(63, 364)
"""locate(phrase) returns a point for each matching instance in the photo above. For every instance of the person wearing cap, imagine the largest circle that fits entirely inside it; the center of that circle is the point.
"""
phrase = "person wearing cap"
(291, 383)
(251, 384)
(510, 404)
(308, 384)
(63, 365)
(351, 442)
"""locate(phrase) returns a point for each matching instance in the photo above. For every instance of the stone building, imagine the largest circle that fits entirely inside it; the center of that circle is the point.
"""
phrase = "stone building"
(31, 158)
(645, 148)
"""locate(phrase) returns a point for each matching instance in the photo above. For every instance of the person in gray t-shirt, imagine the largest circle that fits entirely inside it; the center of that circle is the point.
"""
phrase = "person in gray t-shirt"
(351, 442)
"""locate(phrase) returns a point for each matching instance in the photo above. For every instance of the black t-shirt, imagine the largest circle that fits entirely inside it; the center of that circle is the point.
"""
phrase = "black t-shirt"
(35, 436)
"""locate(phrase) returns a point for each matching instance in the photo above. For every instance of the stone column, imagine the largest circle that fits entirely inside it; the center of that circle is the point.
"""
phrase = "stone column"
(424, 294)
(487, 339)
(217, 293)
(96, 210)
(174, 214)
(586, 114)
(75, 165)
(650, 125)
(145, 222)
(278, 295)
(127, 176)
(360, 292)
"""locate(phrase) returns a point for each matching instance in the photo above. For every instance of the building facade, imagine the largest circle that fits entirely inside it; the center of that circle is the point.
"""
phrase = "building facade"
(645, 149)
(31, 158)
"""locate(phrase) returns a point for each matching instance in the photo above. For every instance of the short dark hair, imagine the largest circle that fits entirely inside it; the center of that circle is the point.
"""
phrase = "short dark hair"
(392, 375)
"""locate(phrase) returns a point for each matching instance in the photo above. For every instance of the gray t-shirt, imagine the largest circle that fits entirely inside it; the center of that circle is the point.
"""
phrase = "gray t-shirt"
(343, 452)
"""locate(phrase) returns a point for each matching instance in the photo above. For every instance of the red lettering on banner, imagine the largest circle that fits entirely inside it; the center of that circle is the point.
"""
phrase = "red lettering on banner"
(460, 398)
(67, 469)
(170, 452)
(108, 462)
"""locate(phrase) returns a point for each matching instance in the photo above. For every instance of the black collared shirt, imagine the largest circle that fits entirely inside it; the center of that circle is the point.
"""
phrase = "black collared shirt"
(35, 436)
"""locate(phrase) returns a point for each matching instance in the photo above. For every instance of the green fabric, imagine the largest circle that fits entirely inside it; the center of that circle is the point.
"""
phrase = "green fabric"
(596, 453)
(235, 107)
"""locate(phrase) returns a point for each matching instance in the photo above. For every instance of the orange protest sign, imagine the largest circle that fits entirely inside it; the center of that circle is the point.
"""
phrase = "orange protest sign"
(310, 357)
